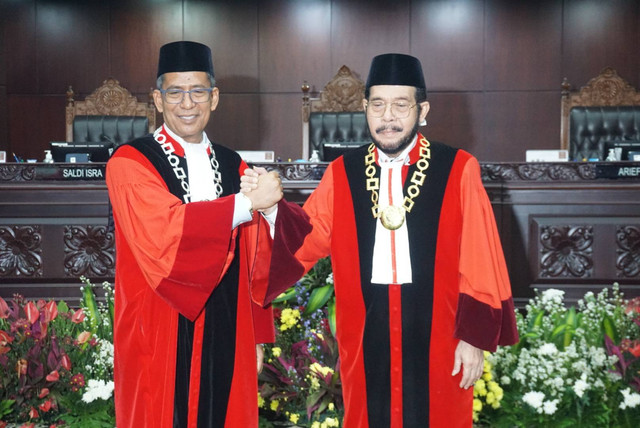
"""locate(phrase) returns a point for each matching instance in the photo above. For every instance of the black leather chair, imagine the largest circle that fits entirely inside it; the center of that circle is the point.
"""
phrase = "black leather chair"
(109, 114)
(113, 129)
(591, 129)
(600, 114)
(333, 133)
(334, 122)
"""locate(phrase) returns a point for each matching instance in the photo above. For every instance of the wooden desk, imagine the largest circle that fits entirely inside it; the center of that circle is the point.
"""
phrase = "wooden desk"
(563, 225)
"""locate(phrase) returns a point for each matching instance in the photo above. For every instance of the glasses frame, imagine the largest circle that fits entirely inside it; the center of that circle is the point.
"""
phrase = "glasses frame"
(164, 96)
(390, 106)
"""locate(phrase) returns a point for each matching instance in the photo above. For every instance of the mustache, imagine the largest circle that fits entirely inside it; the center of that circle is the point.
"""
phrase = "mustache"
(390, 127)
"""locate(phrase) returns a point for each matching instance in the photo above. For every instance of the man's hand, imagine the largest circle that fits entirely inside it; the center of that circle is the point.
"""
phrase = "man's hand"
(263, 188)
(471, 360)
(260, 357)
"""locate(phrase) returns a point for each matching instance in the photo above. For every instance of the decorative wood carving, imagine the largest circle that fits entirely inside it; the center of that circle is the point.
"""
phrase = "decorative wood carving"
(20, 251)
(110, 99)
(628, 261)
(566, 251)
(606, 89)
(89, 251)
(17, 172)
(564, 171)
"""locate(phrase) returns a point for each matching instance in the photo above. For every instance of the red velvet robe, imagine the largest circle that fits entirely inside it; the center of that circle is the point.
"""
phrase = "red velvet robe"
(397, 342)
(171, 259)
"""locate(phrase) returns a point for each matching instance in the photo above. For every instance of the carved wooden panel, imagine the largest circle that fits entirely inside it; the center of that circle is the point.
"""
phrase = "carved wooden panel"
(566, 251)
(89, 251)
(628, 261)
(20, 251)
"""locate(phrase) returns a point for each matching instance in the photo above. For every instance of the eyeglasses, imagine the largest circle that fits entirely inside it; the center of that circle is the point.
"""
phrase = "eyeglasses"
(197, 95)
(399, 109)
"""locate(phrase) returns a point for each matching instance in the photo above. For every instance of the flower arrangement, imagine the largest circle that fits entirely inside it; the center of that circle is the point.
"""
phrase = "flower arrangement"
(572, 366)
(56, 362)
(300, 383)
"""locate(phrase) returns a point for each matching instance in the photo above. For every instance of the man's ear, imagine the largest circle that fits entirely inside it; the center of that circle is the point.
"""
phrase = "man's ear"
(424, 110)
(215, 98)
(157, 99)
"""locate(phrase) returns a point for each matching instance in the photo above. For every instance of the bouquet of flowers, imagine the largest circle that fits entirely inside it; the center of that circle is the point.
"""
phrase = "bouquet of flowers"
(300, 383)
(560, 373)
(56, 362)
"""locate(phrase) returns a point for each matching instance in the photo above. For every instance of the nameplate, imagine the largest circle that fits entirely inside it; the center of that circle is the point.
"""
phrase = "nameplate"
(71, 172)
(618, 170)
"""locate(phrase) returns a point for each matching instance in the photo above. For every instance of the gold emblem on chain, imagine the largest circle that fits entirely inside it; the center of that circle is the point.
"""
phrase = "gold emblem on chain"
(392, 216)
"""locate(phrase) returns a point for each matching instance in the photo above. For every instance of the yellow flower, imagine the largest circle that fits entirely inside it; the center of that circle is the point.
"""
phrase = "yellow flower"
(315, 383)
(276, 351)
(495, 404)
(479, 388)
(331, 407)
(274, 405)
(491, 398)
(294, 418)
(477, 405)
(260, 401)
(316, 424)
(317, 368)
(332, 422)
(487, 376)
(289, 318)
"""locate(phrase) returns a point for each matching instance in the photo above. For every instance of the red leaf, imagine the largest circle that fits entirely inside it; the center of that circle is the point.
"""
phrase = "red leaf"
(53, 376)
(32, 312)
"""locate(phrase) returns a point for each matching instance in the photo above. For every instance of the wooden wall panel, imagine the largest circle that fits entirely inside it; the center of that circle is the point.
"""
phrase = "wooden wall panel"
(138, 29)
(72, 42)
(27, 140)
(236, 122)
(598, 35)
(517, 121)
(281, 124)
(294, 44)
(523, 41)
(20, 46)
(363, 29)
(456, 119)
(231, 31)
(489, 53)
(4, 120)
(448, 37)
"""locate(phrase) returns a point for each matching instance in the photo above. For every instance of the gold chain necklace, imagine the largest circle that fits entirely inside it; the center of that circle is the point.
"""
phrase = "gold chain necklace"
(392, 217)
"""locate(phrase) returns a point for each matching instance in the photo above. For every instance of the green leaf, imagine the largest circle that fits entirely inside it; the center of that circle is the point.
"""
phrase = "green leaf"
(331, 315)
(287, 295)
(609, 328)
(318, 298)
(571, 323)
(6, 407)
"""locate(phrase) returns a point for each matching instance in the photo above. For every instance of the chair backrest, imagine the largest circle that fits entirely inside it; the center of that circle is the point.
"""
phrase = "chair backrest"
(335, 119)
(109, 114)
(607, 109)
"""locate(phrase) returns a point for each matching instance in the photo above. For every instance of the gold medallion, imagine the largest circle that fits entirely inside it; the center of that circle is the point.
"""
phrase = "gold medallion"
(392, 217)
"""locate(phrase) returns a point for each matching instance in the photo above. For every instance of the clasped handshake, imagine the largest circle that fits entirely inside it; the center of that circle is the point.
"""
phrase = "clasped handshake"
(263, 188)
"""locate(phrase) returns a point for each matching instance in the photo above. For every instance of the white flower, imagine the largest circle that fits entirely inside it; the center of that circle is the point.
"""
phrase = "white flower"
(631, 399)
(581, 386)
(552, 295)
(550, 407)
(97, 388)
(505, 380)
(534, 399)
(548, 349)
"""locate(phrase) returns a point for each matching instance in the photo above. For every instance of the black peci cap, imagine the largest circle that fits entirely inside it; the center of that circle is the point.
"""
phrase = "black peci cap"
(184, 56)
(396, 69)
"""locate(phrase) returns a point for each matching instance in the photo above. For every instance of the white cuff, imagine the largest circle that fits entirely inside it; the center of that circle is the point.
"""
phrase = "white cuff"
(242, 211)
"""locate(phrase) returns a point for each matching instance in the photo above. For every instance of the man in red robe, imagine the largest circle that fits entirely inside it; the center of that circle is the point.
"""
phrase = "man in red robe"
(192, 262)
(420, 280)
